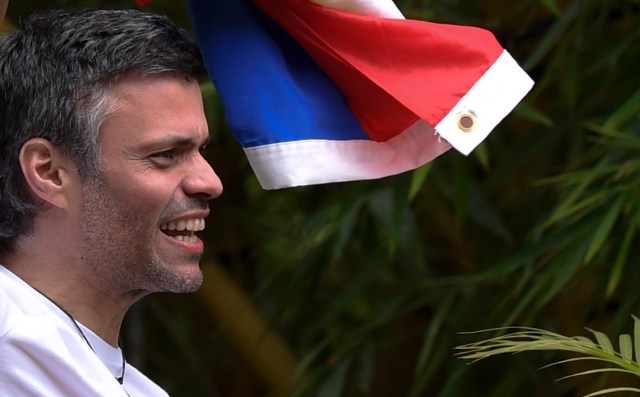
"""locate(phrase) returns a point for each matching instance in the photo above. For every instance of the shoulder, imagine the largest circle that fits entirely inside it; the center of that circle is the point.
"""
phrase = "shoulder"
(40, 355)
(137, 384)
(9, 313)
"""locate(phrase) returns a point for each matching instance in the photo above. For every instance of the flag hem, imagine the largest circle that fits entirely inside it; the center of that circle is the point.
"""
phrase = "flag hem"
(489, 101)
(318, 161)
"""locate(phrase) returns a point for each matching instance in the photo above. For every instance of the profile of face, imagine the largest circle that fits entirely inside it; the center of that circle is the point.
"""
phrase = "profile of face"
(139, 217)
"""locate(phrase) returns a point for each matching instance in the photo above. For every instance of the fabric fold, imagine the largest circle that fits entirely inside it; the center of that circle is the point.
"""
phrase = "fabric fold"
(348, 89)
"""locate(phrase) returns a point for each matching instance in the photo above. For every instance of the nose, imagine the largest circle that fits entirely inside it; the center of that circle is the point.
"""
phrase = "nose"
(202, 180)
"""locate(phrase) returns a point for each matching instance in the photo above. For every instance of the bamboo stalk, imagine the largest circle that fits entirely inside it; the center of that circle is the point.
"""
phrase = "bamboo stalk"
(267, 353)
(3, 9)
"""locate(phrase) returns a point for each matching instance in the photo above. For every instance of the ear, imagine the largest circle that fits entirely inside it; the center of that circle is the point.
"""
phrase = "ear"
(50, 175)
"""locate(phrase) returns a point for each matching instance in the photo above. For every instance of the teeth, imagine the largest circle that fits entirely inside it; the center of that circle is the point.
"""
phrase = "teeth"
(192, 225)
(189, 239)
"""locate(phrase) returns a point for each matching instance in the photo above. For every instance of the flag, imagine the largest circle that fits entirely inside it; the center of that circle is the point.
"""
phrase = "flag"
(337, 90)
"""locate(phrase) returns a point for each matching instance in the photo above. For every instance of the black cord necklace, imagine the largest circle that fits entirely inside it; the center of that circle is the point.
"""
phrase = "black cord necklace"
(120, 378)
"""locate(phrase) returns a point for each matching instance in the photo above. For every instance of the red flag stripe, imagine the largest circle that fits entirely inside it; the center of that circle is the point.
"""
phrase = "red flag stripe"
(393, 72)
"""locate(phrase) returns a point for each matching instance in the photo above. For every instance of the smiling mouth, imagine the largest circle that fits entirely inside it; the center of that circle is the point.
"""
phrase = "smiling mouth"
(183, 230)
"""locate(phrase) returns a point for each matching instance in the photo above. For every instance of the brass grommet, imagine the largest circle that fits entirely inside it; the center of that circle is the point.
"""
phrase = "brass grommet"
(466, 122)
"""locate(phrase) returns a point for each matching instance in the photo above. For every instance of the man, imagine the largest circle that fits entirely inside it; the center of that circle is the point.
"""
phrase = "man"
(102, 188)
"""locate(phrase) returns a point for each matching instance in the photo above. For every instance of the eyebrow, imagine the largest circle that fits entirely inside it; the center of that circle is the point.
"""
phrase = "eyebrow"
(176, 141)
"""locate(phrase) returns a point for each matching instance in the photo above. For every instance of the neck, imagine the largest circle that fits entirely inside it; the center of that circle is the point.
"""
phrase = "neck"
(120, 378)
(94, 305)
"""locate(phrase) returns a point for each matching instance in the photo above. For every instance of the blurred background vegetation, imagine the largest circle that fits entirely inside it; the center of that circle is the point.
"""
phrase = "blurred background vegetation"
(363, 289)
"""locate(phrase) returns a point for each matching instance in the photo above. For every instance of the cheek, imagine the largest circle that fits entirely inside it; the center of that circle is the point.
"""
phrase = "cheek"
(146, 195)
(144, 191)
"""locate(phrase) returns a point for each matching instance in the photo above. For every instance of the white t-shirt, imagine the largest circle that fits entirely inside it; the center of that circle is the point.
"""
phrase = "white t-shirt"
(42, 353)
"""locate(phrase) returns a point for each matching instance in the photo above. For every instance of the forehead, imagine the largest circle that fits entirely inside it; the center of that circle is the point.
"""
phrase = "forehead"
(149, 107)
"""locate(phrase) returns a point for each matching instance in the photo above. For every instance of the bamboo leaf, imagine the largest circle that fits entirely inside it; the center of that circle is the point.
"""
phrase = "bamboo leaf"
(636, 337)
(531, 339)
(552, 6)
(366, 369)
(417, 180)
(612, 390)
(576, 359)
(432, 334)
(630, 109)
(603, 341)
(614, 136)
(626, 347)
(565, 264)
(604, 227)
(347, 216)
(334, 385)
(584, 339)
(482, 154)
(576, 208)
(207, 88)
(621, 260)
(598, 371)
(553, 35)
(529, 112)
(572, 204)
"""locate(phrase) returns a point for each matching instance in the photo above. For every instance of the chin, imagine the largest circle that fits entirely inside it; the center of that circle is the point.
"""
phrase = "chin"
(190, 282)
(177, 279)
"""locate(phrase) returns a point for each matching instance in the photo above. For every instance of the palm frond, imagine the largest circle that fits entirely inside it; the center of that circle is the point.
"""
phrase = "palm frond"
(600, 349)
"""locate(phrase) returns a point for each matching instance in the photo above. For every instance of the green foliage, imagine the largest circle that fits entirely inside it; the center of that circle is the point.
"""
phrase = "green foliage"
(371, 283)
(600, 350)
(536, 228)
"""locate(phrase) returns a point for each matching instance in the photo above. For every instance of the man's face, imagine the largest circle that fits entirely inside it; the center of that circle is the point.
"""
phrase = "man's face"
(140, 215)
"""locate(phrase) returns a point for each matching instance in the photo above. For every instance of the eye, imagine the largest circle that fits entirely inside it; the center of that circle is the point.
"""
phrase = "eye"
(167, 154)
(164, 158)
(204, 149)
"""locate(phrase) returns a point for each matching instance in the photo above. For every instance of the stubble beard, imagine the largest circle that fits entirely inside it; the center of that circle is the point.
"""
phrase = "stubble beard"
(118, 243)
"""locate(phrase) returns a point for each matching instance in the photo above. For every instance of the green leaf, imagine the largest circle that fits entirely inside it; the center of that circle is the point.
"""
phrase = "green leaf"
(531, 339)
(399, 213)
(603, 341)
(604, 227)
(554, 34)
(418, 177)
(636, 337)
(626, 347)
(612, 390)
(482, 154)
(621, 260)
(564, 265)
(552, 6)
(334, 385)
(207, 88)
(629, 109)
(577, 200)
(346, 224)
(366, 369)
(598, 371)
(431, 336)
(527, 111)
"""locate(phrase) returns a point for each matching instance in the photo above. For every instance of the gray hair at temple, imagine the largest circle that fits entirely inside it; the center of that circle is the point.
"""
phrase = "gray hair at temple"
(55, 72)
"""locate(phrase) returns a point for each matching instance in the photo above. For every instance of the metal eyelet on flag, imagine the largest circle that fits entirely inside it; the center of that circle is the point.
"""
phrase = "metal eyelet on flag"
(466, 122)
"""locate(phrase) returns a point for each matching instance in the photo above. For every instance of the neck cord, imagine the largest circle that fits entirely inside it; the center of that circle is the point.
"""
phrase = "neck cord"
(120, 378)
